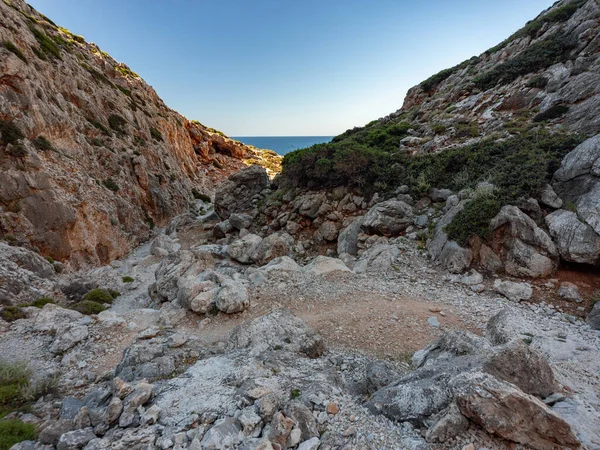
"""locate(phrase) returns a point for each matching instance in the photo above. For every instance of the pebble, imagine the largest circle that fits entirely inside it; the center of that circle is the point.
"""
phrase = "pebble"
(433, 321)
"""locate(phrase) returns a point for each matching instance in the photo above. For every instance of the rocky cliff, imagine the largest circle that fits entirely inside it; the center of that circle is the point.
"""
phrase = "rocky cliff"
(548, 72)
(91, 158)
(491, 163)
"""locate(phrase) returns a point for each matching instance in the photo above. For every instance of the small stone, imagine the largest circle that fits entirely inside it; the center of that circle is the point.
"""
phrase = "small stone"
(554, 398)
(311, 444)
(433, 321)
(332, 408)
(350, 431)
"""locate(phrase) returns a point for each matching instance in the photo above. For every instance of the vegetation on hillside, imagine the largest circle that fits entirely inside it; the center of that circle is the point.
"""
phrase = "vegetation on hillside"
(554, 49)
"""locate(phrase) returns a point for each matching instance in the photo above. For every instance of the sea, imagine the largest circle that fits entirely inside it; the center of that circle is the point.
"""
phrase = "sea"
(282, 144)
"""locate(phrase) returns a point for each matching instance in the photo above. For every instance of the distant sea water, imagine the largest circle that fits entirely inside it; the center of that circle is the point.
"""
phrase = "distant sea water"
(282, 144)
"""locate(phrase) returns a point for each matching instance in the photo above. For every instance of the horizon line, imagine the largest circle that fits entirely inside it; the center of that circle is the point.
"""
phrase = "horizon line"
(287, 135)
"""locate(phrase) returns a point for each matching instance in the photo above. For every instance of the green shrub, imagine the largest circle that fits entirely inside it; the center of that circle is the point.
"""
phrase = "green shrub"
(294, 394)
(117, 123)
(98, 76)
(439, 129)
(16, 389)
(14, 377)
(570, 206)
(200, 196)
(47, 46)
(99, 296)
(127, 92)
(554, 112)
(128, 279)
(110, 184)
(14, 49)
(89, 307)
(156, 135)
(41, 143)
(538, 82)
(532, 27)
(126, 71)
(9, 133)
(14, 431)
(42, 301)
(114, 294)
(473, 219)
(72, 36)
(554, 49)
(12, 313)
(17, 150)
(466, 130)
(99, 126)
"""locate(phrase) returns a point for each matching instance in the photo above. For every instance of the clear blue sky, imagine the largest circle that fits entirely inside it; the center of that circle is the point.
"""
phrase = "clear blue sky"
(289, 67)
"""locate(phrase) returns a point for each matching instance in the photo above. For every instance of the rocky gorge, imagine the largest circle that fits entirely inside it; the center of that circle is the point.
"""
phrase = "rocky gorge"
(412, 310)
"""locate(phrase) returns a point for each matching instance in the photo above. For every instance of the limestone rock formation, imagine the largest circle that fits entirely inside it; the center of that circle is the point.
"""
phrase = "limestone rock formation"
(240, 192)
(526, 249)
(91, 158)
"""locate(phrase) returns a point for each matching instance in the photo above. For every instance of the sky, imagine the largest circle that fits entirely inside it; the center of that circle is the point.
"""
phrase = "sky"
(289, 67)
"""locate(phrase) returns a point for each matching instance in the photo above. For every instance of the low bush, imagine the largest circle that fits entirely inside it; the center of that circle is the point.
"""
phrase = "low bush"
(99, 296)
(110, 184)
(128, 279)
(14, 49)
(17, 150)
(156, 135)
(12, 313)
(14, 378)
(126, 71)
(10, 133)
(48, 46)
(538, 82)
(474, 219)
(98, 126)
(43, 301)
(467, 130)
(117, 123)
(114, 294)
(16, 388)
(43, 144)
(554, 112)
(14, 431)
(531, 28)
(89, 307)
(552, 50)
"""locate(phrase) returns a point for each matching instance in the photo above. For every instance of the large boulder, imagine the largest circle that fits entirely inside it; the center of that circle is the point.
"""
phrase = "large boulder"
(233, 297)
(197, 293)
(504, 410)
(271, 247)
(323, 264)
(279, 329)
(513, 291)
(445, 252)
(388, 218)
(378, 258)
(576, 240)
(348, 237)
(450, 370)
(242, 249)
(578, 181)
(526, 249)
(236, 195)
(594, 317)
(183, 264)
(24, 275)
